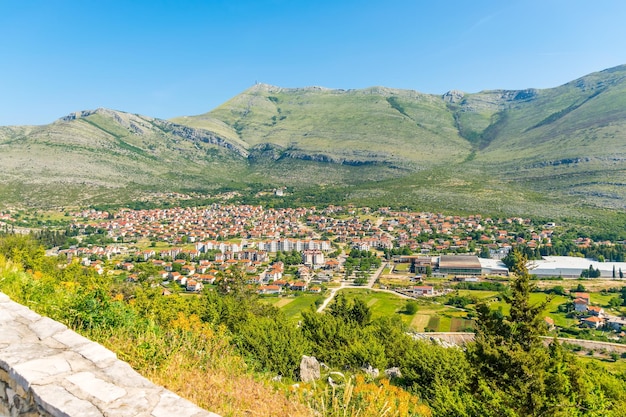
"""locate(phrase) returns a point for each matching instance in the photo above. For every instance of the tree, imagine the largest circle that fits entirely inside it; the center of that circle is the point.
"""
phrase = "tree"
(558, 290)
(615, 302)
(355, 311)
(623, 295)
(508, 354)
(410, 307)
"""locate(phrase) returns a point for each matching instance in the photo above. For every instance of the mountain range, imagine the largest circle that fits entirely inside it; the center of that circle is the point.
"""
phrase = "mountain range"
(545, 152)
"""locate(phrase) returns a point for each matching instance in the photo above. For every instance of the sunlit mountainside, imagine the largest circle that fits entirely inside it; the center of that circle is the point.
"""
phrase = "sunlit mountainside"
(534, 151)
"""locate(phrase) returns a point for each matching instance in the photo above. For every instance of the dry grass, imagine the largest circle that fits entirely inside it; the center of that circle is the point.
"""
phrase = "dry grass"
(372, 302)
(283, 302)
(591, 285)
(197, 362)
(420, 321)
(228, 394)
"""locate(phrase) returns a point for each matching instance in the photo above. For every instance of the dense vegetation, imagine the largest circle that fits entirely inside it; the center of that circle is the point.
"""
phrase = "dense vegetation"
(507, 371)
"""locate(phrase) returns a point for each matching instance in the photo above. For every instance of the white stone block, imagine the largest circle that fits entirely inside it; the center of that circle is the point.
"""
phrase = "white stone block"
(96, 387)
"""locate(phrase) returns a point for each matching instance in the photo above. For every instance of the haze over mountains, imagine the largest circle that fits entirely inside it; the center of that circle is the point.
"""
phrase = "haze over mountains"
(540, 151)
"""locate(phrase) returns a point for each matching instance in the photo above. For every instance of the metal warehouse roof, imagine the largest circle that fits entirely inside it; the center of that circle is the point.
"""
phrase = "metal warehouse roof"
(459, 261)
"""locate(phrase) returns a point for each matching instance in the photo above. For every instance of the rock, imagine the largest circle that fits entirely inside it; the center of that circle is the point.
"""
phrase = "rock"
(370, 371)
(277, 378)
(392, 373)
(453, 96)
(309, 369)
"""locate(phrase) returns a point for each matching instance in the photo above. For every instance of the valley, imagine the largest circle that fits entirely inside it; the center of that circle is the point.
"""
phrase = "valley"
(213, 252)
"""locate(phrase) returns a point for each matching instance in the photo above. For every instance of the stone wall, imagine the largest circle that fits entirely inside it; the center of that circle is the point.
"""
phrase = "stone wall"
(458, 338)
(48, 370)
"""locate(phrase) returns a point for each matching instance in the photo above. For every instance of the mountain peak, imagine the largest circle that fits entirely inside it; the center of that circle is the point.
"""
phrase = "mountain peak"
(86, 113)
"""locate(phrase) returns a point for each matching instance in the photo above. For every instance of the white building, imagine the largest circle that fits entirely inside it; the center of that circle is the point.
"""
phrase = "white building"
(313, 258)
(571, 267)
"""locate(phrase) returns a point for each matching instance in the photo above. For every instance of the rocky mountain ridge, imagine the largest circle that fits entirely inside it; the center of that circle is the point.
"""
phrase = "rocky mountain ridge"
(567, 141)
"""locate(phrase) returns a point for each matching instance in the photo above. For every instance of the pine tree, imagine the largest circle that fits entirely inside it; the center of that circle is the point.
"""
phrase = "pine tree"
(508, 353)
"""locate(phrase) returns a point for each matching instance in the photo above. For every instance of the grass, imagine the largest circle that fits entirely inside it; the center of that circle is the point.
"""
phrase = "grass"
(616, 367)
(602, 300)
(460, 325)
(536, 298)
(300, 304)
(420, 321)
(481, 295)
(433, 324)
(381, 303)
(293, 306)
(282, 302)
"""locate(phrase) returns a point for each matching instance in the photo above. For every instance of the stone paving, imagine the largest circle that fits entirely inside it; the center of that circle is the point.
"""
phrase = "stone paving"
(48, 370)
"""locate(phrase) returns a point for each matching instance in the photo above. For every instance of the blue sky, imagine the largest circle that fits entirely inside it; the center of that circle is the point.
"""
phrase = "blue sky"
(171, 58)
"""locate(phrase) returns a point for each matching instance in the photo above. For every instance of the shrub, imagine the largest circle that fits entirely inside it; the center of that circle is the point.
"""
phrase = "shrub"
(411, 307)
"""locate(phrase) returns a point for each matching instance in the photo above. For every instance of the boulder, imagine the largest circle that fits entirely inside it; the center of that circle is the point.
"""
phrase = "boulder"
(370, 371)
(309, 369)
(392, 373)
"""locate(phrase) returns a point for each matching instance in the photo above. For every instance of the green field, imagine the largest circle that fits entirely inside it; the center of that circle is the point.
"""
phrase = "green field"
(386, 304)
(479, 294)
(601, 299)
(381, 303)
(617, 367)
(293, 306)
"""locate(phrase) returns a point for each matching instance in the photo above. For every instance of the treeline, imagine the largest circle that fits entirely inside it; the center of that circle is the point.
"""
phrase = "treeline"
(481, 286)
(506, 372)
(613, 253)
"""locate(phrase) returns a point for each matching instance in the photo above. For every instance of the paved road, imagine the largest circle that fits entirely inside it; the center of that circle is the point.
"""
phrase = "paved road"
(369, 286)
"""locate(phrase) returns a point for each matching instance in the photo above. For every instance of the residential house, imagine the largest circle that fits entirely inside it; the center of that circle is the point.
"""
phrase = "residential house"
(193, 285)
(595, 311)
(422, 290)
(592, 321)
(580, 305)
(298, 286)
(188, 270)
(332, 264)
(583, 295)
(270, 289)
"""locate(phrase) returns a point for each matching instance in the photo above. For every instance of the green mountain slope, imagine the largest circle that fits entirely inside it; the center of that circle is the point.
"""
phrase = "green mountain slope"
(375, 125)
(534, 151)
(85, 154)
(569, 140)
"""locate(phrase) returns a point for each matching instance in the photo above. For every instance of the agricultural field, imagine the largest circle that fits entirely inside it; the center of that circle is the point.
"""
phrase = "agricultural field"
(293, 306)
(404, 267)
(432, 314)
